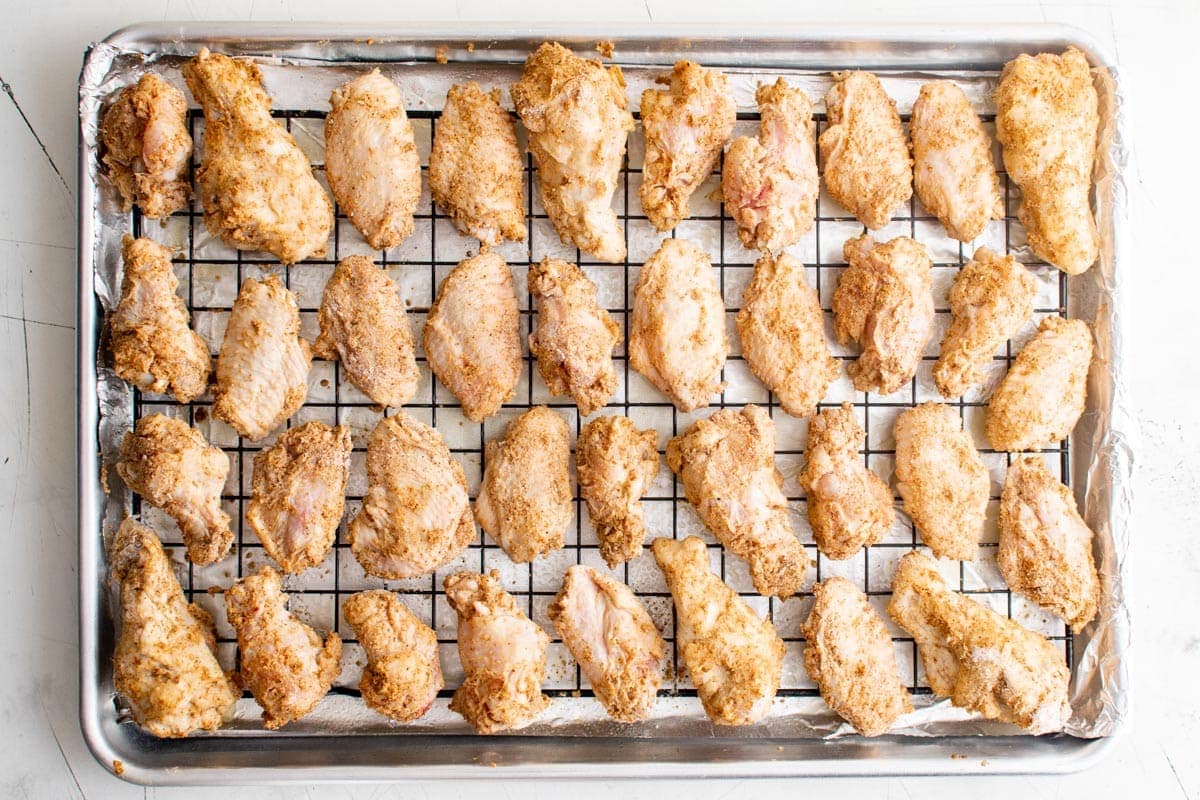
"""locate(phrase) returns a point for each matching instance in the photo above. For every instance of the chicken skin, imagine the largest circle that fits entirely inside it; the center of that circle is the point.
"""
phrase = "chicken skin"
(262, 371)
(952, 161)
(403, 674)
(677, 333)
(616, 463)
(575, 112)
(416, 515)
(472, 336)
(371, 159)
(782, 329)
(610, 634)
(770, 184)
(884, 302)
(982, 661)
(991, 299)
(298, 494)
(1047, 121)
(685, 127)
(1045, 391)
(727, 465)
(165, 662)
(503, 654)
(734, 657)
(849, 506)
(524, 501)
(256, 184)
(574, 338)
(154, 346)
(850, 656)
(868, 170)
(173, 467)
(146, 147)
(364, 325)
(476, 173)
(1045, 546)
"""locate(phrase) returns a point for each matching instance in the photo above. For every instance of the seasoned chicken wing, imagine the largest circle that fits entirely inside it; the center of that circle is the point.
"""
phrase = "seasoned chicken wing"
(415, 516)
(727, 465)
(616, 463)
(173, 467)
(524, 501)
(884, 302)
(575, 112)
(992, 297)
(677, 333)
(1047, 121)
(1045, 391)
(1045, 546)
(472, 336)
(298, 493)
(982, 661)
(734, 657)
(256, 184)
(154, 347)
(850, 656)
(476, 173)
(165, 662)
(503, 655)
(364, 325)
(685, 127)
(575, 337)
(403, 674)
(610, 634)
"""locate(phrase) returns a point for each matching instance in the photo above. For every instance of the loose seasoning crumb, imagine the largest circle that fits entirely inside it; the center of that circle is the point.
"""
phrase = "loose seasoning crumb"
(983, 763)
(442, 54)
(324, 383)
(492, 764)
(370, 40)
(201, 414)
(958, 755)
(104, 477)
(118, 766)
(605, 48)
(215, 590)
(470, 47)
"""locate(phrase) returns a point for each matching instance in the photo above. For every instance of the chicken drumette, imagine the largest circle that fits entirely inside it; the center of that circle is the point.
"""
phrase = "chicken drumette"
(616, 463)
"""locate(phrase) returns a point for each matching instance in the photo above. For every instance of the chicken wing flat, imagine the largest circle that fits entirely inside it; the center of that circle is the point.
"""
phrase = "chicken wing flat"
(770, 183)
(850, 656)
(165, 662)
(371, 159)
(942, 480)
(734, 657)
(146, 147)
(472, 336)
(616, 463)
(173, 467)
(575, 337)
(849, 506)
(262, 370)
(952, 161)
(298, 494)
(727, 465)
(782, 329)
(403, 674)
(284, 663)
(1045, 391)
(884, 302)
(1047, 121)
(982, 661)
(364, 325)
(524, 501)
(503, 654)
(1045, 546)
(677, 334)
(992, 297)
(416, 515)
(256, 184)
(576, 115)
(685, 127)
(868, 170)
(476, 173)
(610, 634)
(154, 347)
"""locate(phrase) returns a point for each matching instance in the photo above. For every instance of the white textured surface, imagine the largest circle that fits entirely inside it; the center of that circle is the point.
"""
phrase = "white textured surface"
(44, 755)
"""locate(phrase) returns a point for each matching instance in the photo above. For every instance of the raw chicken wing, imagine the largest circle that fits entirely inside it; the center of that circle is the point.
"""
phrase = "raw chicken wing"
(403, 674)
(616, 463)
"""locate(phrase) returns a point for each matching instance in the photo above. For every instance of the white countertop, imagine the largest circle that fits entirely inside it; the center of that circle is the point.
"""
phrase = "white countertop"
(43, 754)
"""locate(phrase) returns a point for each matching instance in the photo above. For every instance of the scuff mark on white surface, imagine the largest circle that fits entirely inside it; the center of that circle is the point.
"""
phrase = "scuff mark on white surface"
(8, 90)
